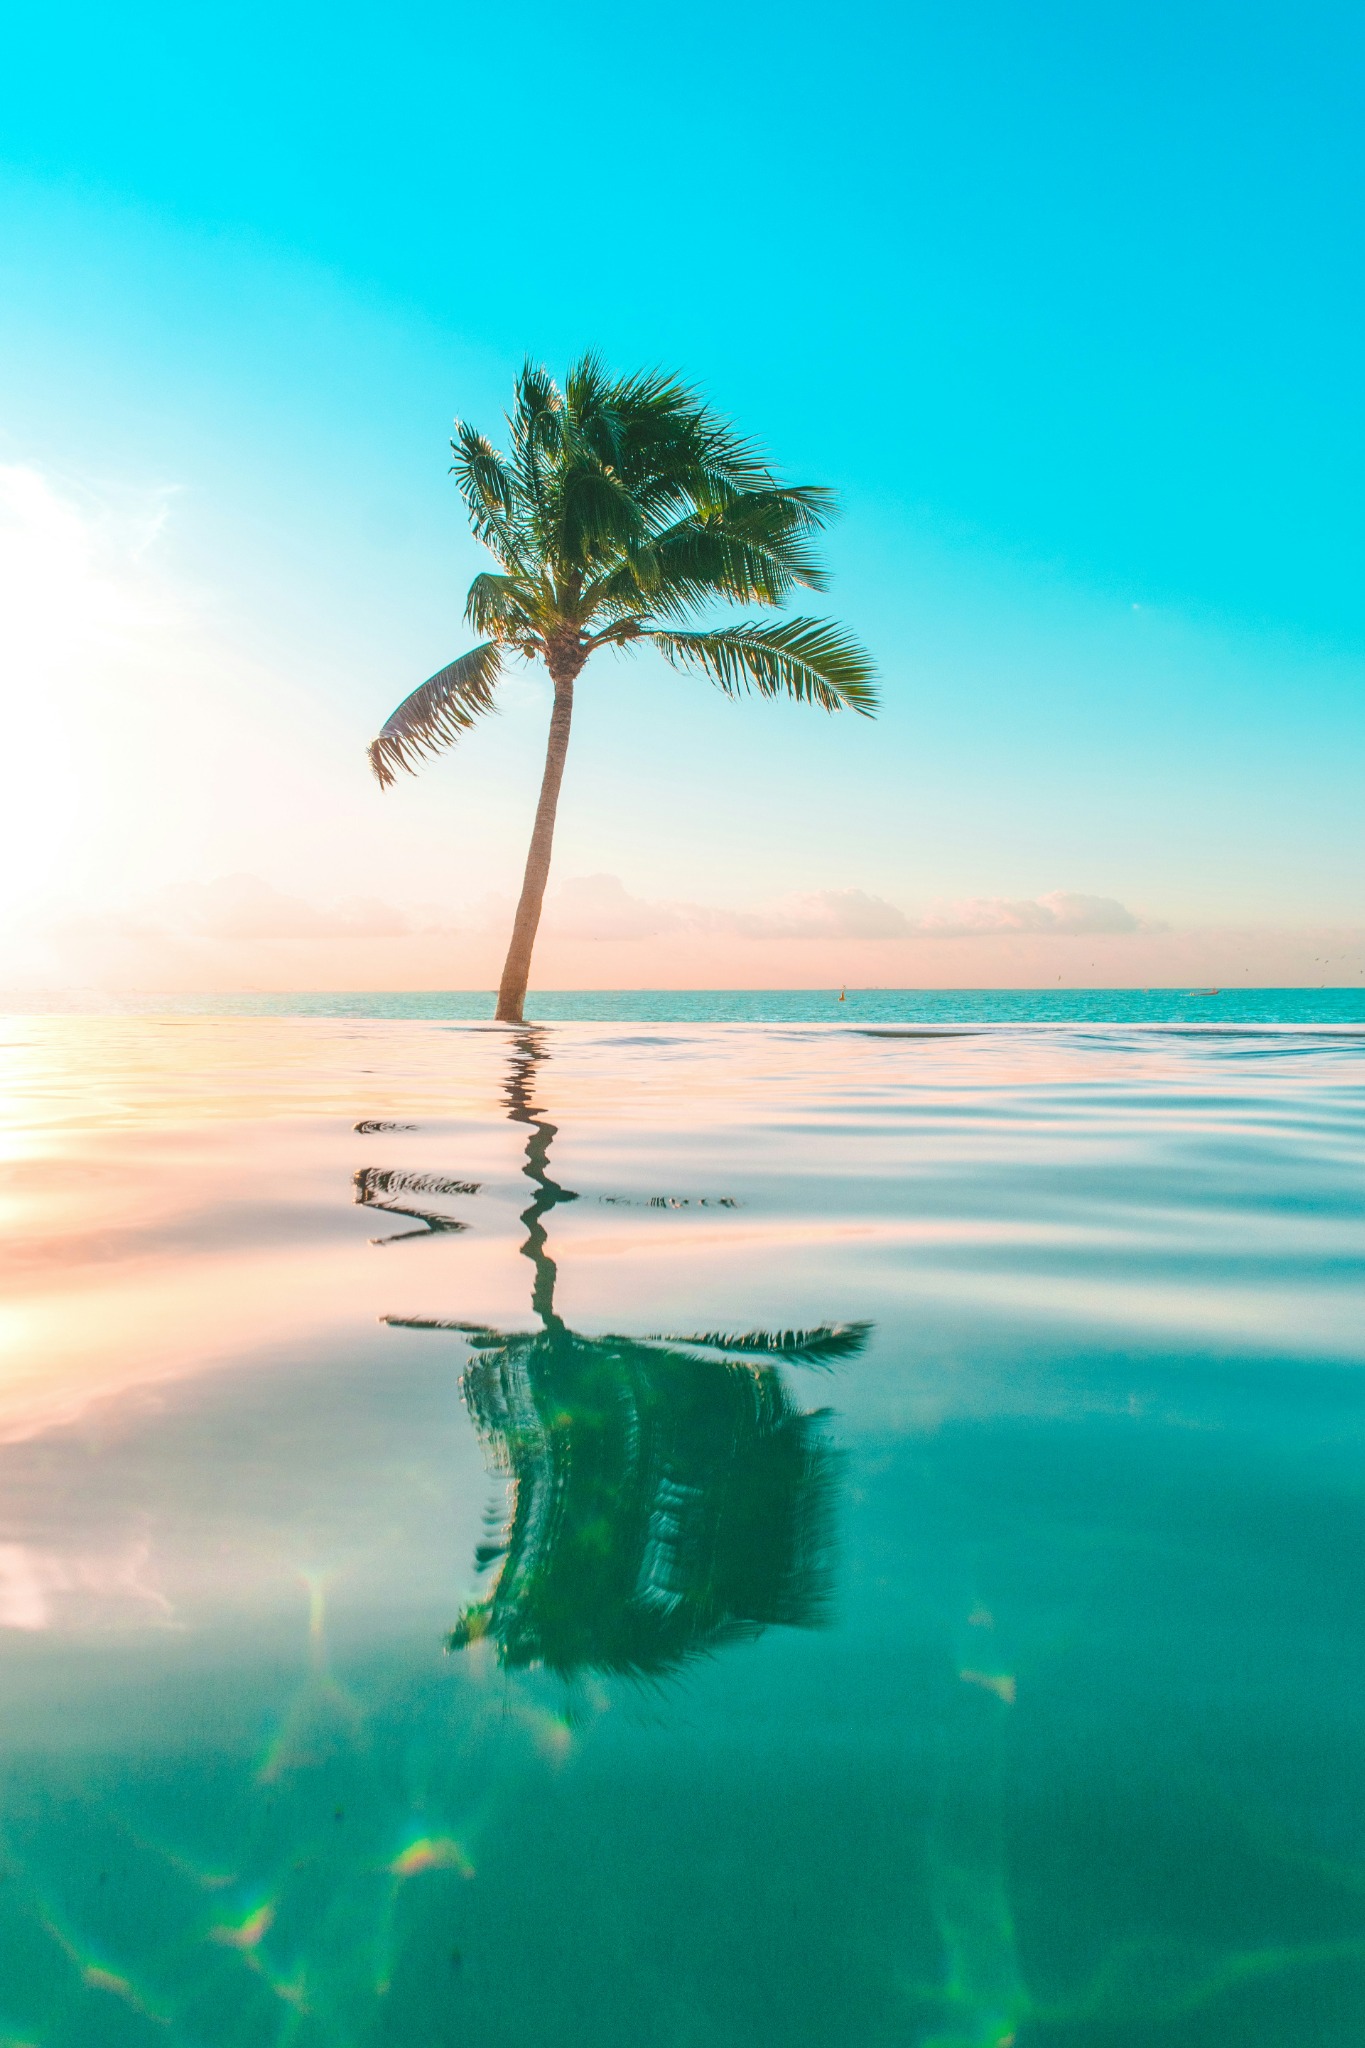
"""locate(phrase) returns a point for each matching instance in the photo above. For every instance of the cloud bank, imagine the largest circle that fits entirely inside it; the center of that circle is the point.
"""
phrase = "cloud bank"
(245, 908)
(600, 907)
(241, 932)
(1062, 912)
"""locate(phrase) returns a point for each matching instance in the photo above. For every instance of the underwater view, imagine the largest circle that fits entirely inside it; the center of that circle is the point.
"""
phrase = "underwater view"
(651, 1535)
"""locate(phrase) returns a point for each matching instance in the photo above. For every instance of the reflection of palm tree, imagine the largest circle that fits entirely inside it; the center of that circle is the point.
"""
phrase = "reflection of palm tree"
(664, 1501)
(668, 1493)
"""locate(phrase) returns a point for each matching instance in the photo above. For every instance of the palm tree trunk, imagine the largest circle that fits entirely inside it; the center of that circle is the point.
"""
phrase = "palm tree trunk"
(517, 968)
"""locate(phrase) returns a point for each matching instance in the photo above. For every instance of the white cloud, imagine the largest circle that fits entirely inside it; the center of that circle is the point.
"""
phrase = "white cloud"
(74, 575)
(147, 743)
(245, 908)
(1063, 913)
(601, 907)
(825, 914)
(225, 933)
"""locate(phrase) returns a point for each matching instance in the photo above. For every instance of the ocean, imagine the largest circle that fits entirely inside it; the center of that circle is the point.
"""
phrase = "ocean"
(755, 1006)
(748, 1524)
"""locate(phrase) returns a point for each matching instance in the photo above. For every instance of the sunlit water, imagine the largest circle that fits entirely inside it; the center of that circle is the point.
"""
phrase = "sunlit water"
(643, 1537)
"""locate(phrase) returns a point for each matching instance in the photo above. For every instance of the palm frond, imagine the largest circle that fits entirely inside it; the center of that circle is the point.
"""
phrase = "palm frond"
(536, 405)
(778, 515)
(594, 418)
(598, 516)
(660, 437)
(377, 1183)
(812, 660)
(618, 634)
(486, 483)
(752, 552)
(536, 427)
(489, 490)
(536, 418)
(504, 607)
(678, 428)
(728, 461)
(435, 715)
(749, 547)
(476, 1331)
(823, 1346)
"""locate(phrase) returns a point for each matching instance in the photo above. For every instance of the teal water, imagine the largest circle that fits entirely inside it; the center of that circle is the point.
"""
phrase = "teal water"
(649, 1535)
(771, 1006)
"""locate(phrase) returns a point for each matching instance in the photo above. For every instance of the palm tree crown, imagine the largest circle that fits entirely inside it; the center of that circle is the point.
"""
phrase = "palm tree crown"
(623, 509)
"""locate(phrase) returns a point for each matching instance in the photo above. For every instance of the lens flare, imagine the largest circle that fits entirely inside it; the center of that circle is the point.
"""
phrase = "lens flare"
(248, 1933)
(1002, 1684)
(431, 1852)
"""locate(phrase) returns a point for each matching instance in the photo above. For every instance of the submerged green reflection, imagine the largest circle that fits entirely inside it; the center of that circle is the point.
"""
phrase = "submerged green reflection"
(668, 1493)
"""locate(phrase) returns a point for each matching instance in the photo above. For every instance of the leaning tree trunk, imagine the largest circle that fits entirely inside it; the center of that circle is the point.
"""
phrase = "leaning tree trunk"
(563, 666)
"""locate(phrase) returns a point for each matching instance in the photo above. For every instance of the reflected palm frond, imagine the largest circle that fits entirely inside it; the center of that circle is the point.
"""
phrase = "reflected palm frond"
(378, 1188)
(828, 1345)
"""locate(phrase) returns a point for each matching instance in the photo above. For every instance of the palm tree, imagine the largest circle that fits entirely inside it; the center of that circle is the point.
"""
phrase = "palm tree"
(623, 508)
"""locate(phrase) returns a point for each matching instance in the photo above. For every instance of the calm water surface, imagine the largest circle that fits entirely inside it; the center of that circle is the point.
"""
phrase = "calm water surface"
(623, 1536)
(846, 1007)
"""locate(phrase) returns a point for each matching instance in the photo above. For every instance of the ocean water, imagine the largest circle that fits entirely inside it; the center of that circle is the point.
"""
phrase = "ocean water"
(763, 1006)
(642, 1535)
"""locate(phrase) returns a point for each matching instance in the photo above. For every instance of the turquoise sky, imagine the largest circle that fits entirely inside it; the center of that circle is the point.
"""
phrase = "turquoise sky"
(1065, 300)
